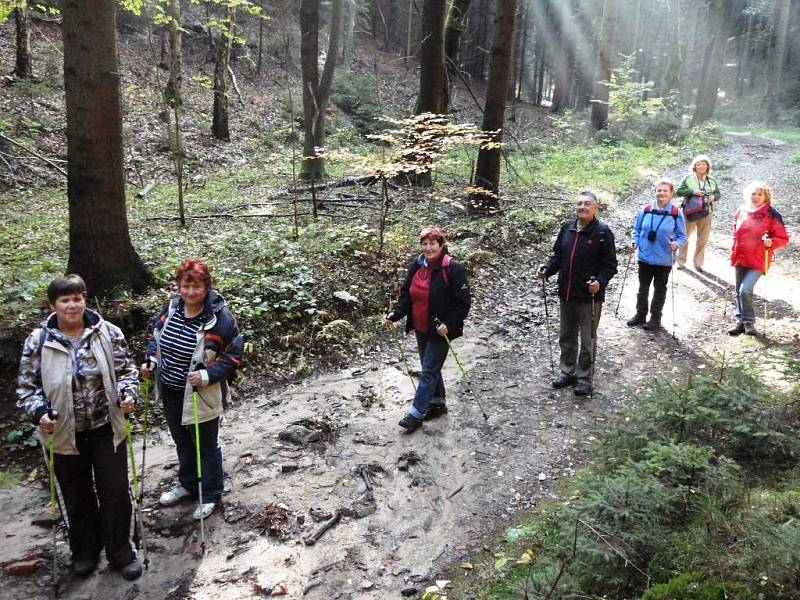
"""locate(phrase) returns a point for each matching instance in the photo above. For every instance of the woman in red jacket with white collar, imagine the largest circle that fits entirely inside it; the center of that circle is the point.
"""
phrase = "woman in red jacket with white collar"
(757, 232)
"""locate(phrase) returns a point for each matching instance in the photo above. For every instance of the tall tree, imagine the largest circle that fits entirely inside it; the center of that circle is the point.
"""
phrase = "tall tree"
(452, 35)
(433, 92)
(782, 15)
(672, 75)
(316, 89)
(603, 73)
(23, 67)
(487, 171)
(100, 246)
(720, 15)
(219, 124)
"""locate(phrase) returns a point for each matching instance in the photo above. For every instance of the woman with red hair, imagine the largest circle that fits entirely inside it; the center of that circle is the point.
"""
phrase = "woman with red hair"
(758, 231)
(435, 299)
(194, 346)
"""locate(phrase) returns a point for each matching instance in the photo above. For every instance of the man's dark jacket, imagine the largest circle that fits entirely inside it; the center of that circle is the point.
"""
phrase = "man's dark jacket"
(579, 255)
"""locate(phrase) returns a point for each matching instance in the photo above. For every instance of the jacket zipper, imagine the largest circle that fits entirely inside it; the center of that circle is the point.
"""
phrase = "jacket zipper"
(571, 259)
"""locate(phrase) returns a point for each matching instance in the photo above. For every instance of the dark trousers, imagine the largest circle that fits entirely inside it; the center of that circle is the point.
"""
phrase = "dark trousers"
(432, 354)
(578, 327)
(210, 451)
(98, 507)
(659, 276)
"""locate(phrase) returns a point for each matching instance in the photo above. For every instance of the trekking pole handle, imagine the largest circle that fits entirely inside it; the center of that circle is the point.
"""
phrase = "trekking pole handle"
(150, 363)
(52, 414)
(593, 279)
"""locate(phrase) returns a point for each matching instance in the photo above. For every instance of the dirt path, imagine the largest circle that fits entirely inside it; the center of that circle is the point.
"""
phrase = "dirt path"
(410, 504)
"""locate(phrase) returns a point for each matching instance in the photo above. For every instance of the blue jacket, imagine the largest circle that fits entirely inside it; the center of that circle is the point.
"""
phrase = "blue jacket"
(667, 228)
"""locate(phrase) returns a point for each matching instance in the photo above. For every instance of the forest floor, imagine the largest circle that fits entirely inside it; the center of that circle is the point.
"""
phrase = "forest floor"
(412, 506)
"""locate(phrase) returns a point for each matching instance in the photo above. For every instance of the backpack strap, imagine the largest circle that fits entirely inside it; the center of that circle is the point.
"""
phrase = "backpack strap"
(446, 269)
(673, 210)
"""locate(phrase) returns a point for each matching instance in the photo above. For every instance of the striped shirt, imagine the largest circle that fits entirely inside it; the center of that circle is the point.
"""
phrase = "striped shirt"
(177, 346)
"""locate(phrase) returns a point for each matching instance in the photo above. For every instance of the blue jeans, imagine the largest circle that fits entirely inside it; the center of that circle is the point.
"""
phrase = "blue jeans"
(210, 450)
(432, 354)
(745, 283)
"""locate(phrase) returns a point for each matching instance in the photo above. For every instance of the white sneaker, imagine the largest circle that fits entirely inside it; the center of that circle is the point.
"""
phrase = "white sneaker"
(173, 496)
(203, 510)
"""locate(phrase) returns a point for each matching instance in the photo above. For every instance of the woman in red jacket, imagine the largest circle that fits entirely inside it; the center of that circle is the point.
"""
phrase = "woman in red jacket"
(757, 232)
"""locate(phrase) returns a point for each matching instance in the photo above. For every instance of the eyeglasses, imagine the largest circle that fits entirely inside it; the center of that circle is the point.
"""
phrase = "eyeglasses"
(584, 203)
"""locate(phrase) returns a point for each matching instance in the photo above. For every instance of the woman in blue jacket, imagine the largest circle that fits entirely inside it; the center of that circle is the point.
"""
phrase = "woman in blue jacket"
(658, 231)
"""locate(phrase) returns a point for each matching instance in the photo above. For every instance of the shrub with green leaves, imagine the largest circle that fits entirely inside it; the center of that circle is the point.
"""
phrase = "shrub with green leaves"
(674, 505)
(357, 96)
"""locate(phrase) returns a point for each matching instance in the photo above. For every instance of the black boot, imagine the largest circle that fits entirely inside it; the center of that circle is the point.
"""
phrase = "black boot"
(637, 319)
(654, 324)
(737, 329)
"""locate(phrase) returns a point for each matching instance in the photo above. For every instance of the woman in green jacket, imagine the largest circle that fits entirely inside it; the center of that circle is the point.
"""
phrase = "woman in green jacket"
(699, 191)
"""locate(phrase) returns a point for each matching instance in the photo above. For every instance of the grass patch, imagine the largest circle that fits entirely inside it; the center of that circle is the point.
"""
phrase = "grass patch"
(787, 134)
(9, 479)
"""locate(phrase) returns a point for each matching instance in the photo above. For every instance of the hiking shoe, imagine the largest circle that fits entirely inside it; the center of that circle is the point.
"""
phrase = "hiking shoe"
(699, 268)
(435, 410)
(750, 329)
(564, 381)
(681, 267)
(83, 568)
(132, 570)
(654, 324)
(583, 389)
(637, 319)
(737, 329)
(410, 422)
(173, 496)
(204, 510)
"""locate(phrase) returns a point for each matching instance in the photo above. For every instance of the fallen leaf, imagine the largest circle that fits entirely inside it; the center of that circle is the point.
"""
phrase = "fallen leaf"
(467, 566)
(280, 590)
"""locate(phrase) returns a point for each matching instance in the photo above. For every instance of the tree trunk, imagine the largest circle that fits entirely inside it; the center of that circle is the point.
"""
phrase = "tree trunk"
(516, 58)
(316, 91)
(100, 248)
(350, 9)
(562, 63)
(433, 93)
(776, 60)
(23, 68)
(672, 75)
(219, 125)
(487, 172)
(172, 91)
(260, 37)
(720, 14)
(742, 55)
(522, 59)
(453, 33)
(603, 74)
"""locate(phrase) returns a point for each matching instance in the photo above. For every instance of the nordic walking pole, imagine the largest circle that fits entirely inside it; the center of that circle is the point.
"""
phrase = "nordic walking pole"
(52, 415)
(402, 354)
(136, 494)
(592, 279)
(765, 238)
(199, 471)
(437, 322)
(624, 278)
(724, 318)
(146, 388)
(672, 287)
(547, 322)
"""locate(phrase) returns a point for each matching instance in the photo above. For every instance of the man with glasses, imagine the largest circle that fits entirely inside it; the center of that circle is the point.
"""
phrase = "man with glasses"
(585, 258)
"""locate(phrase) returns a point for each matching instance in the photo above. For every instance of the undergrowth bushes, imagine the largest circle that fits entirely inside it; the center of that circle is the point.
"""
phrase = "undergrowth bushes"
(691, 495)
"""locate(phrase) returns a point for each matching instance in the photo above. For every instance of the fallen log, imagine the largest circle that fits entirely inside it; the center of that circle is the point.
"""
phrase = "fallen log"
(313, 538)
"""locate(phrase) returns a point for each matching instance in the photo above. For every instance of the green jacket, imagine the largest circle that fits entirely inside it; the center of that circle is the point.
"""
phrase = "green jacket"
(690, 185)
